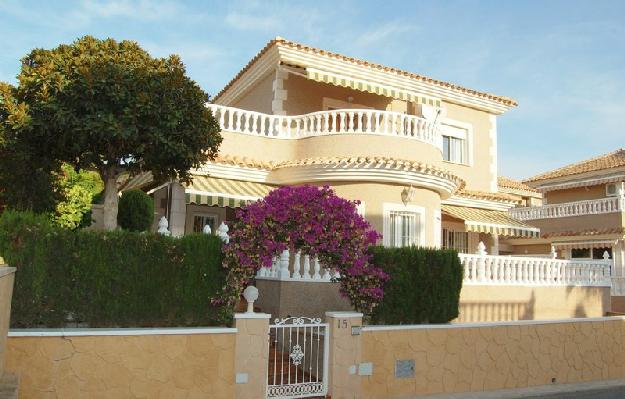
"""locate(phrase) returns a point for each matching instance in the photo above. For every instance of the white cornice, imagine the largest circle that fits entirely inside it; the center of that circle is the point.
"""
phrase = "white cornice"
(304, 59)
(333, 172)
(478, 203)
(363, 173)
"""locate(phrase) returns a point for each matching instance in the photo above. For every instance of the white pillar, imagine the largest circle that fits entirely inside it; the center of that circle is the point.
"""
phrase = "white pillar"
(618, 258)
(494, 249)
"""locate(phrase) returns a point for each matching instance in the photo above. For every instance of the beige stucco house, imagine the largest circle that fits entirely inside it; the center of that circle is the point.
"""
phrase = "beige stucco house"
(421, 154)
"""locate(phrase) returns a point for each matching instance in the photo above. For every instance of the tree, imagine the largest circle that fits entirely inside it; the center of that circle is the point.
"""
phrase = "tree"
(111, 107)
(26, 181)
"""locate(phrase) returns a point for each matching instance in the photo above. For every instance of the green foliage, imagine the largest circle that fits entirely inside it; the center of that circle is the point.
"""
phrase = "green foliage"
(136, 211)
(424, 285)
(109, 279)
(78, 190)
(26, 179)
(109, 106)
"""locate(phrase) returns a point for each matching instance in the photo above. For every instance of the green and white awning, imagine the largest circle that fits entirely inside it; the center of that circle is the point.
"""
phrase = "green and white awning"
(490, 221)
(205, 190)
(370, 87)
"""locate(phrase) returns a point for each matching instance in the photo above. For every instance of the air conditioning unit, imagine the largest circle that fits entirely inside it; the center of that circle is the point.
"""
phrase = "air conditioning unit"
(611, 190)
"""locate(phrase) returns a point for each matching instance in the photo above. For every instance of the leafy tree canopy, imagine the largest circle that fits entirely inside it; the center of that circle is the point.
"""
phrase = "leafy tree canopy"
(110, 106)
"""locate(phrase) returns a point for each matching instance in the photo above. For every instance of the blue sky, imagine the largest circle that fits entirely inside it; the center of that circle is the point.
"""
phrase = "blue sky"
(563, 61)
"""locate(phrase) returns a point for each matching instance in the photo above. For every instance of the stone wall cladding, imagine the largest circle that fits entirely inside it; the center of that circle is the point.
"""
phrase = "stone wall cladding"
(149, 366)
(493, 357)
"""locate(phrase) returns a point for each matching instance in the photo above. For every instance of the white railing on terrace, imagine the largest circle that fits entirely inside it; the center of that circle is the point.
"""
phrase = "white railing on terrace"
(358, 121)
(577, 208)
(302, 268)
(486, 269)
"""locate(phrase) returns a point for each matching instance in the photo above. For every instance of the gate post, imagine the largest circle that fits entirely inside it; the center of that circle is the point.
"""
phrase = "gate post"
(251, 355)
(345, 354)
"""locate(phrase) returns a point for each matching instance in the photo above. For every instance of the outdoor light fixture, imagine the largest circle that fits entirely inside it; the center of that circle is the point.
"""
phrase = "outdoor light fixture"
(407, 195)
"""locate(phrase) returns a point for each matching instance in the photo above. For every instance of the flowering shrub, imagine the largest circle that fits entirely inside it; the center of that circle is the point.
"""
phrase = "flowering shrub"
(315, 221)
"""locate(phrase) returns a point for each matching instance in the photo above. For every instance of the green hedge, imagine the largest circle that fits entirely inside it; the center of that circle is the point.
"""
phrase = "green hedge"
(424, 285)
(114, 279)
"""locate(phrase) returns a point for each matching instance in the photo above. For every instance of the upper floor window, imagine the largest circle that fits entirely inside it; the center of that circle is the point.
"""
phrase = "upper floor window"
(454, 144)
(403, 225)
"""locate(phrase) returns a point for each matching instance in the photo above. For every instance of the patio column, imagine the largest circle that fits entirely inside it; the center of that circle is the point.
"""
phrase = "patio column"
(494, 249)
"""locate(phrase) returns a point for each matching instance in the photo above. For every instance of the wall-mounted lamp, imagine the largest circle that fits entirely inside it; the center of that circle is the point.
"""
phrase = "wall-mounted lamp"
(407, 195)
(350, 99)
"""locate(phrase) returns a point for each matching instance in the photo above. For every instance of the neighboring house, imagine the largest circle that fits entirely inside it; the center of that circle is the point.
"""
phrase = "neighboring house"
(421, 154)
(582, 214)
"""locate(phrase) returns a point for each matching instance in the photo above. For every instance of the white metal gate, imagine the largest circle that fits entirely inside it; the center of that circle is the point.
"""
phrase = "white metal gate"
(298, 358)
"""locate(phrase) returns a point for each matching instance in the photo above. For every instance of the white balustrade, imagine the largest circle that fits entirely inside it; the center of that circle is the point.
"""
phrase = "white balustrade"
(481, 268)
(357, 121)
(297, 268)
(577, 208)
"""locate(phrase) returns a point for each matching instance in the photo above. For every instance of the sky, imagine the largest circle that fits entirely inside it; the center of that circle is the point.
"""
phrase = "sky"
(563, 61)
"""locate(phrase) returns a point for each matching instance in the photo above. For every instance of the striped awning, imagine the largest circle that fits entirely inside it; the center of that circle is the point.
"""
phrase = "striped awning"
(584, 244)
(491, 222)
(205, 190)
(369, 87)
(138, 181)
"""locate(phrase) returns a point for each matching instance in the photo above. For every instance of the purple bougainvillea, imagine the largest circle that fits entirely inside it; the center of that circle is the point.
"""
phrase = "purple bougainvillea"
(318, 223)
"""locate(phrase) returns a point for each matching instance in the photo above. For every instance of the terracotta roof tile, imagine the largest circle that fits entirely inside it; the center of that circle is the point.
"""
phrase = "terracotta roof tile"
(585, 233)
(613, 159)
(501, 197)
(506, 182)
(284, 42)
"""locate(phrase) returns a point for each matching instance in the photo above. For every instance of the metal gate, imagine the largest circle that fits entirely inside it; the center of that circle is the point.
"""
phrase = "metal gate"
(298, 358)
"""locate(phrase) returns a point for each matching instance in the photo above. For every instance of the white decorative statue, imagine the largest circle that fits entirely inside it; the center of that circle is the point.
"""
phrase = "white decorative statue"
(163, 224)
(222, 232)
(207, 229)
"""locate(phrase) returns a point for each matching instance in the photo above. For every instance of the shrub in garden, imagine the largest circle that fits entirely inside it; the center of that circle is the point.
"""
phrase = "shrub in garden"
(136, 211)
(109, 279)
(424, 285)
(317, 222)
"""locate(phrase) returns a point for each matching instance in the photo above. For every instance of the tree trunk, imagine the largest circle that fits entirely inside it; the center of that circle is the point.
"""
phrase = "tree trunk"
(111, 199)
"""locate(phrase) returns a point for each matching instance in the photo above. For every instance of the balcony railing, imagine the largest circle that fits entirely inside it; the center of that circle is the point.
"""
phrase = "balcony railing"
(486, 269)
(346, 121)
(577, 208)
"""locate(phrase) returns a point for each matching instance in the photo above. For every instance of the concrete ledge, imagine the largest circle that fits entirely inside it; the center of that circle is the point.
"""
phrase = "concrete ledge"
(252, 316)
(4, 270)
(490, 324)
(87, 332)
(543, 391)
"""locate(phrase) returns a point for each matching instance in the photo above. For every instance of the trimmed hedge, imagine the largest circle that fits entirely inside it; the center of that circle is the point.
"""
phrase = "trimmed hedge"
(424, 285)
(109, 279)
(135, 211)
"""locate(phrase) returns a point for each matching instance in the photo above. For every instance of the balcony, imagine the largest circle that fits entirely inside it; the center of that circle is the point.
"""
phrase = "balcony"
(345, 121)
(567, 209)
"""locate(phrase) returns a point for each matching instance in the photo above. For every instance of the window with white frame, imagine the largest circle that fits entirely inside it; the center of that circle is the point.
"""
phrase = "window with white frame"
(403, 225)
(458, 240)
(202, 219)
(454, 144)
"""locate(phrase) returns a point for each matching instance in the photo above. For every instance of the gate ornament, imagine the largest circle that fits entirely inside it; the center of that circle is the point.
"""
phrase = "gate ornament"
(296, 355)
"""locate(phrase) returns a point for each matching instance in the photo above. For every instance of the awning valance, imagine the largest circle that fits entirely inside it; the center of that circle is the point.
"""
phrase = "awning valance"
(370, 87)
(205, 190)
(491, 222)
(584, 244)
